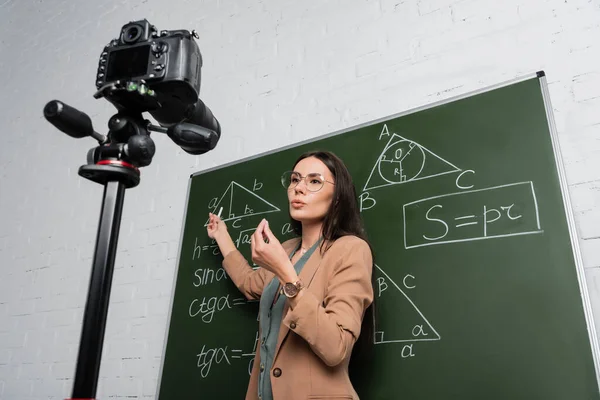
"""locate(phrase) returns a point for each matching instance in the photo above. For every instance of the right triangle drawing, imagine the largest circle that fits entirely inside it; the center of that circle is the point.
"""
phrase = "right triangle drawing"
(403, 160)
(409, 324)
(239, 202)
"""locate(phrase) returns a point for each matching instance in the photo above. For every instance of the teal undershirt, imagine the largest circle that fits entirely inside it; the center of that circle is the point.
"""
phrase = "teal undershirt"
(270, 316)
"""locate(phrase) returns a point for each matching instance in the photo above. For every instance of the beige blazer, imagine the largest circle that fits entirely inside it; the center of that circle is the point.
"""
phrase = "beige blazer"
(317, 336)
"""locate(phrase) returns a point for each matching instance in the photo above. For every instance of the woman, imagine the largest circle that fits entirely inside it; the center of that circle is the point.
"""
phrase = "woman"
(314, 290)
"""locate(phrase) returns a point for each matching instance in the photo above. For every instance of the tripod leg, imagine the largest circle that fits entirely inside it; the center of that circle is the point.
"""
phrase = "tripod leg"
(96, 308)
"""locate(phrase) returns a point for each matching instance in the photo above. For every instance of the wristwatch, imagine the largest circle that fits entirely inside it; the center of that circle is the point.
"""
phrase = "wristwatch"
(291, 289)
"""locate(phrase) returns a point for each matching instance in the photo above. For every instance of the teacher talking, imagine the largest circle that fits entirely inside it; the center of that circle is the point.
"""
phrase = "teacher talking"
(315, 291)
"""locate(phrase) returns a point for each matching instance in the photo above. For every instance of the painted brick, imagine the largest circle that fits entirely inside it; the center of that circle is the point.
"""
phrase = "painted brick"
(62, 370)
(51, 353)
(59, 318)
(68, 335)
(17, 388)
(590, 252)
(12, 340)
(129, 310)
(120, 388)
(149, 388)
(151, 289)
(27, 354)
(34, 369)
(146, 328)
(126, 349)
(28, 322)
(23, 307)
(122, 293)
(5, 356)
(48, 387)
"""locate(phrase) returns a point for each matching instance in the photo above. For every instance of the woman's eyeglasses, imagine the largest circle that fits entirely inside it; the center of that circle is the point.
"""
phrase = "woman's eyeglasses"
(314, 182)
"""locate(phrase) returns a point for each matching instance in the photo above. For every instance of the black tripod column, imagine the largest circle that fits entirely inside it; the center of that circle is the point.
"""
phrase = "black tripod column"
(96, 308)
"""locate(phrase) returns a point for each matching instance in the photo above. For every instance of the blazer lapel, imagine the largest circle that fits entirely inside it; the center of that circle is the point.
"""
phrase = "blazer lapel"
(306, 276)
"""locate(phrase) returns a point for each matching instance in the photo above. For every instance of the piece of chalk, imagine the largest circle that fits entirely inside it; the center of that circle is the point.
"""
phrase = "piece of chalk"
(220, 210)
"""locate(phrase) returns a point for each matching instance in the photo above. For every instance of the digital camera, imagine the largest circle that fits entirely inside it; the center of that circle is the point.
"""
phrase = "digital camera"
(159, 72)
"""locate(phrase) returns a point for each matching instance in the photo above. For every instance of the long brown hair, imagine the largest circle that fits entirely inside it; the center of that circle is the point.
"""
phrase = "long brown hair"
(343, 218)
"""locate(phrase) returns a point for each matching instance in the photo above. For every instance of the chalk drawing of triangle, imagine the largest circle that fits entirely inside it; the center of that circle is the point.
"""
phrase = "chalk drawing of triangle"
(239, 202)
(403, 160)
(408, 323)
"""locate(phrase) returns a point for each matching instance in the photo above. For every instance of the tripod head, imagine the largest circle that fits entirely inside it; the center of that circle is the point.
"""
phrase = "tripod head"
(128, 145)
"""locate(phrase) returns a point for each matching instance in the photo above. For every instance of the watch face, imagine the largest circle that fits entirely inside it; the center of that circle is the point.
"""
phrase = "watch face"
(290, 290)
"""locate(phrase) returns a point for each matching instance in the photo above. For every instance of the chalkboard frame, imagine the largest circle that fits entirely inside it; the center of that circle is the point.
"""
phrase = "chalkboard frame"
(586, 304)
(564, 188)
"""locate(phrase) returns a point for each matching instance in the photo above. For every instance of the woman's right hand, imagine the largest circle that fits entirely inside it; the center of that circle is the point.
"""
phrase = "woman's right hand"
(216, 227)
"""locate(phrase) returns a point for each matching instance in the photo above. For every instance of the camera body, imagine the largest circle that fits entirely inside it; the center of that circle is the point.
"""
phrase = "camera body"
(147, 70)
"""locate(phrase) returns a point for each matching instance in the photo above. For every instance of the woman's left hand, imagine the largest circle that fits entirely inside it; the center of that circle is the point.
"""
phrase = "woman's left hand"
(268, 253)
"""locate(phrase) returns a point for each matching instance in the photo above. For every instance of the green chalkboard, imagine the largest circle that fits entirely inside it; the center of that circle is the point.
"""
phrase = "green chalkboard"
(480, 288)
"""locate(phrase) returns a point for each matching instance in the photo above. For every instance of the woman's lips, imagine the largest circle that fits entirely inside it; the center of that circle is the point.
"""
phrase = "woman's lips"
(298, 204)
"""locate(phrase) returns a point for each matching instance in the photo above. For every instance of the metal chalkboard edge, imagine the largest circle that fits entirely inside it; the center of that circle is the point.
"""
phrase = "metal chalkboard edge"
(571, 223)
(176, 271)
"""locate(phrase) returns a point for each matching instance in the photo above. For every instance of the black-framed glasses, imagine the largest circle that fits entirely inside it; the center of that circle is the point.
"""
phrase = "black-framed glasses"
(313, 181)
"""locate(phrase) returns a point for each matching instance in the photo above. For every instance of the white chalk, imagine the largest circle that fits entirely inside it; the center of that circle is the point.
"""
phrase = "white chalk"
(220, 210)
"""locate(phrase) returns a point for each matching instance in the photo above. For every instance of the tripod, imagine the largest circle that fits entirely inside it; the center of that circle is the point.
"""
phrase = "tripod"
(115, 164)
(96, 308)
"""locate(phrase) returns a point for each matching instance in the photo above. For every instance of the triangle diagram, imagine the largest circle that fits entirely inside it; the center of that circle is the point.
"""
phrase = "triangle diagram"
(408, 323)
(404, 160)
(239, 202)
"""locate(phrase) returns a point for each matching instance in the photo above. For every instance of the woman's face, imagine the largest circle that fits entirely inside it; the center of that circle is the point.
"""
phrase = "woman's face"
(306, 205)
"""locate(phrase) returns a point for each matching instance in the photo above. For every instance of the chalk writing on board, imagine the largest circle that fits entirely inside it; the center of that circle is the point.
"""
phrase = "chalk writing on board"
(415, 326)
(208, 356)
(287, 229)
(206, 276)
(500, 211)
(199, 248)
(366, 201)
(403, 160)
(244, 237)
(206, 307)
(239, 202)
(211, 356)
(458, 180)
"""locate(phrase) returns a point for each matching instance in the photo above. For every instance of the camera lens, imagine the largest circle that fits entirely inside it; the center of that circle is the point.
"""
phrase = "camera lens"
(132, 33)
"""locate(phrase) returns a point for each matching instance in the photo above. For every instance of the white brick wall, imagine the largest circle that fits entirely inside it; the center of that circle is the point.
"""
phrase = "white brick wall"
(275, 72)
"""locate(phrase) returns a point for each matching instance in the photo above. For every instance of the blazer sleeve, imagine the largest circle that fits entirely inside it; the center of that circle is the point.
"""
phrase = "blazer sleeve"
(331, 327)
(249, 281)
